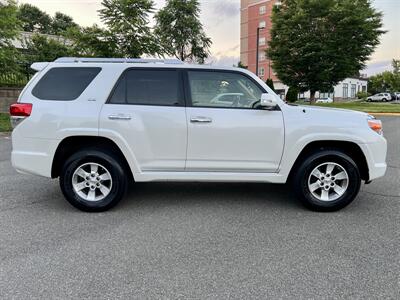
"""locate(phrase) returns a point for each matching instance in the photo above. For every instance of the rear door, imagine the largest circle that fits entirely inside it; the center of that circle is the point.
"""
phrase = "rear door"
(146, 110)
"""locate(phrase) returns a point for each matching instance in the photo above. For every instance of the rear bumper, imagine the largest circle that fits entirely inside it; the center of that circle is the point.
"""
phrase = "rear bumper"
(33, 156)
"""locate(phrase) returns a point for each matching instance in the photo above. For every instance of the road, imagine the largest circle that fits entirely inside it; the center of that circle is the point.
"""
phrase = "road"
(208, 240)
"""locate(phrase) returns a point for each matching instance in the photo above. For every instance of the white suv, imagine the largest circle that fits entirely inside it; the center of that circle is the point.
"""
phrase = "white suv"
(380, 97)
(99, 123)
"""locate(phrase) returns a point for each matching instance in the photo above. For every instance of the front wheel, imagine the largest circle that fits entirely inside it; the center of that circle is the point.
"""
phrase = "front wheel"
(327, 180)
(93, 180)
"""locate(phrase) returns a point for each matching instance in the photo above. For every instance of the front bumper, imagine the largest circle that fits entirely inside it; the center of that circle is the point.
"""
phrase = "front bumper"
(375, 154)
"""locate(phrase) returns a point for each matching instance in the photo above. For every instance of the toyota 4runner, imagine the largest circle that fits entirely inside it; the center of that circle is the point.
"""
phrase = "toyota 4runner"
(99, 123)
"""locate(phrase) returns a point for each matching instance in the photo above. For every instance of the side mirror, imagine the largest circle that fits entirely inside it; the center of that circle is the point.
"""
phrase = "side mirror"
(268, 101)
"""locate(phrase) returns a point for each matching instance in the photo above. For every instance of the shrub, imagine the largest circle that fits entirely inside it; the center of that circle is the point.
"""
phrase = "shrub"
(362, 95)
(270, 83)
(292, 94)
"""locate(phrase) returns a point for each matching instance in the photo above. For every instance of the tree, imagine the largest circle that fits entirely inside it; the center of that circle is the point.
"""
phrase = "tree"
(9, 28)
(292, 94)
(317, 43)
(128, 22)
(384, 82)
(61, 22)
(33, 19)
(396, 65)
(42, 48)
(241, 65)
(180, 31)
(93, 42)
(270, 83)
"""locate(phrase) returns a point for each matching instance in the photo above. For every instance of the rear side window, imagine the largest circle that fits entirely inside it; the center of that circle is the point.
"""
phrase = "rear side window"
(148, 87)
(64, 84)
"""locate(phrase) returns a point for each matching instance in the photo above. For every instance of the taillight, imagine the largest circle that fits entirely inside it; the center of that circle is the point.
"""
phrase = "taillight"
(19, 112)
(20, 109)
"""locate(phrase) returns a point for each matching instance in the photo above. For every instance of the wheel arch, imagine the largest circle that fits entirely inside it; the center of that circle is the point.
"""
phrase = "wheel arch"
(72, 144)
(349, 148)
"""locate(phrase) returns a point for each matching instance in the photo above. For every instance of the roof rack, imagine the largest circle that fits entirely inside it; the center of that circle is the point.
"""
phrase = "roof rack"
(117, 60)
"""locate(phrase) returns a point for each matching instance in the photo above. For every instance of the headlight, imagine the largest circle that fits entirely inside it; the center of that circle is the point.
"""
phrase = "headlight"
(375, 125)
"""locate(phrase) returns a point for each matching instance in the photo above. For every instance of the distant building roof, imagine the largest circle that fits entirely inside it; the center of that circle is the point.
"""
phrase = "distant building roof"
(20, 42)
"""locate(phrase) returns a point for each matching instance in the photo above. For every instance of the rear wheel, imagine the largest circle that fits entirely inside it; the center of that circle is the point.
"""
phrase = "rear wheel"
(384, 100)
(327, 180)
(93, 180)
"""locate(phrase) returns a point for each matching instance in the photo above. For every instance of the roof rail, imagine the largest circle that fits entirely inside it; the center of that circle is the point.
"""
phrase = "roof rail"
(116, 60)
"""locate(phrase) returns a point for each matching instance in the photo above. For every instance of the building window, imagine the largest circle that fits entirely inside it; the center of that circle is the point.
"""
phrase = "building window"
(263, 10)
(261, 41)
(364, 88)
(345, 90)
(353, 91)
(261, 72)
(262, 24)
(261, 56)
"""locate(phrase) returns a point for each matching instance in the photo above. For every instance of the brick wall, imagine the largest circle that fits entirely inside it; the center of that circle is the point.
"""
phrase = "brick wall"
(8, 96)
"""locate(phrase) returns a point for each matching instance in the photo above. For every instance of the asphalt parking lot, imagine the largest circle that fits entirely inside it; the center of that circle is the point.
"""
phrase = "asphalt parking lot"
(214, 240)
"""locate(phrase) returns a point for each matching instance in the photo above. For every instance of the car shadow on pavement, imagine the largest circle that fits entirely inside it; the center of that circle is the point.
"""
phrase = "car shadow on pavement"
(162, 194)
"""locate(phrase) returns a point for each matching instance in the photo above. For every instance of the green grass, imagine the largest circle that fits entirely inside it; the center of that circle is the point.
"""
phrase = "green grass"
(5, 122)
(370, 107)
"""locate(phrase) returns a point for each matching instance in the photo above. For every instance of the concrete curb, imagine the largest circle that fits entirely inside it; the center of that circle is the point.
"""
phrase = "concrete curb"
(386, 114)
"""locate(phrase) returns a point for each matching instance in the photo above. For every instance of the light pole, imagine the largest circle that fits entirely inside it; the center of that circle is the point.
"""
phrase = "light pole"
(257, 46)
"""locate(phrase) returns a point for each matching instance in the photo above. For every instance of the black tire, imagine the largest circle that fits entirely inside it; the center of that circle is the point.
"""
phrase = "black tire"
(369, 100)
(304, 170)
(106, 159)
(384, 100)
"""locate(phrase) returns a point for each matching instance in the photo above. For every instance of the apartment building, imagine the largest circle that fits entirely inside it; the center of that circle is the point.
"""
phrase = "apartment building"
(256, 14)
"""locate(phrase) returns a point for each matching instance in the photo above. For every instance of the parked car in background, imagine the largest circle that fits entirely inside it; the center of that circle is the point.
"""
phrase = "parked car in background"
(396, 96)
(324, 100)
(98, 124)
(381, 97)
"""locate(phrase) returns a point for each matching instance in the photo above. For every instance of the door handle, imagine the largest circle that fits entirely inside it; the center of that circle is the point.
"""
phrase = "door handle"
(119, 117)
(200, 120)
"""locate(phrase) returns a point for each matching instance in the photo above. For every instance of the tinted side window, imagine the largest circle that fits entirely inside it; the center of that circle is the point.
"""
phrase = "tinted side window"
(148, 87)
(223, 89)
(64, 84)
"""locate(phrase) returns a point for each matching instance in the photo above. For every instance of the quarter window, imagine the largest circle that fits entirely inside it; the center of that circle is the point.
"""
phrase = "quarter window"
(223, 89)
(148, 87)
(64, 84)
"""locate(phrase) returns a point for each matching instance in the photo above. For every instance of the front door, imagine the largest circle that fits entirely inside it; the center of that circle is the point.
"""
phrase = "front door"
(225, 132)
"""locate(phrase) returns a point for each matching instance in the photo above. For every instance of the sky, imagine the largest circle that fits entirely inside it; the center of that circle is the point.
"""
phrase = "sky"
(221, 21)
